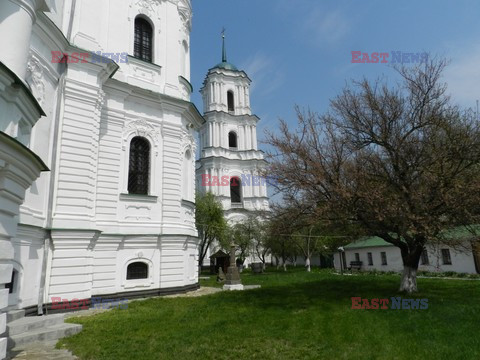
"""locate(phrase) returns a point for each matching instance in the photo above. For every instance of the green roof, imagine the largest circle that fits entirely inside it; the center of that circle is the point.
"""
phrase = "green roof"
(367, 242)
(457, 233)
(462, 233)
(226, 65)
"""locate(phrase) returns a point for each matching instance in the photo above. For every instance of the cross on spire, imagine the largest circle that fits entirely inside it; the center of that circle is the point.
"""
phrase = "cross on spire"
(224, 51)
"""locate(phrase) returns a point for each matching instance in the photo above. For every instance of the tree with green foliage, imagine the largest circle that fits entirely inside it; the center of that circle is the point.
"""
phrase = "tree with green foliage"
(210, 222)
(401, 162)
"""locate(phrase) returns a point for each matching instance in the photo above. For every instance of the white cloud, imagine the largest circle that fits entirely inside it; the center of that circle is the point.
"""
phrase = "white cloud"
(326, 27)
(320, 25)
(265, 74)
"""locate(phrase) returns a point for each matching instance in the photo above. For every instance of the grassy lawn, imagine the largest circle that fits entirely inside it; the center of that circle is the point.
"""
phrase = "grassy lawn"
(295, 315)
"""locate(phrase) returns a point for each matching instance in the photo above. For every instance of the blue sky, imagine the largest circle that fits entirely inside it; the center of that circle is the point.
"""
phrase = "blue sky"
(299, 51)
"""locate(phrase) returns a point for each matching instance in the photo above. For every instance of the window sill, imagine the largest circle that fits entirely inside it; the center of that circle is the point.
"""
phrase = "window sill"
(188, 202)
(136, 285)
(139, 198)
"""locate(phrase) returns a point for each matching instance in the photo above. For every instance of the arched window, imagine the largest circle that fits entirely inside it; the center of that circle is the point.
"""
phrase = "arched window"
(232, 139)
(230, 101)
(139, 166)
(187, 176)
(184, 59)
(142, 48)
(235, 190)
(137, 270)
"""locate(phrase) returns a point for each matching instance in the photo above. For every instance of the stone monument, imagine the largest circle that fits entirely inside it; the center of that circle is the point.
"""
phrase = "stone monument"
(233, 281)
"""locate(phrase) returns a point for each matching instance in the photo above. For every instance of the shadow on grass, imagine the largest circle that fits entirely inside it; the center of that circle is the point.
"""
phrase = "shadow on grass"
(340, 289)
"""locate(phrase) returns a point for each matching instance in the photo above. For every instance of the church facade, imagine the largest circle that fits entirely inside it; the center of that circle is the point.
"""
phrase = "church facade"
(97, 168)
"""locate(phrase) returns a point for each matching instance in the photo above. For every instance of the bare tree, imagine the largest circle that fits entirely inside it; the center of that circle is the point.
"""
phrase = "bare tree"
(401, 162)
(261, 246)
(308, 244)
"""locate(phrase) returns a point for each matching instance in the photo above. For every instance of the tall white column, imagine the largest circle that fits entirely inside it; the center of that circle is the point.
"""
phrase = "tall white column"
(214, 134)
(222, 134)
(210, 139)
(249, 137)
(212, 92)
(220, 87)
(16, 22)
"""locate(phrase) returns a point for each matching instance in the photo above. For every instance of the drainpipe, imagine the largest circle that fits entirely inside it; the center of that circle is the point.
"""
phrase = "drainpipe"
(41, 291)
(48, 243)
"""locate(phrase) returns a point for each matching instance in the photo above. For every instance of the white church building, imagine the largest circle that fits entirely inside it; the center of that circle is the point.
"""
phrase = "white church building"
(97, 150)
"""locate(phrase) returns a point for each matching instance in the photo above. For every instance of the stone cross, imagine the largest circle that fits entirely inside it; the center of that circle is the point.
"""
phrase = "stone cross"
(233, 276)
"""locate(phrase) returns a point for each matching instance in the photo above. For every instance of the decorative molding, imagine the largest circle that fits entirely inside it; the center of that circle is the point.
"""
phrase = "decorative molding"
(187, 142)
(185, 13)
(35, 78)
(189, 216)
(148, 8)
(138, 212)
(140, 127)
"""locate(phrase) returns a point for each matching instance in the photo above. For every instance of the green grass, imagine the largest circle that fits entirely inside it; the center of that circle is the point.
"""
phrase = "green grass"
(296, 315)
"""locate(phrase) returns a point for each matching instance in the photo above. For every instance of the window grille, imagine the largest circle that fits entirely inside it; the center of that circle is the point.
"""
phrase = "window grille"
(235, 191)
(447, 260)
(143, 40)
(137, 270)
(139, 166)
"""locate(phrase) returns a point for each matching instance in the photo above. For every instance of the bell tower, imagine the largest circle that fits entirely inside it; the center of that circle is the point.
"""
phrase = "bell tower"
(226, 88)
(230, 162)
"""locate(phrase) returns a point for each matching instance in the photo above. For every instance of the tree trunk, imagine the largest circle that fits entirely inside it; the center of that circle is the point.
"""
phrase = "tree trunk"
(284, 266)
(410, 265)
(409, 280)
(307, 265)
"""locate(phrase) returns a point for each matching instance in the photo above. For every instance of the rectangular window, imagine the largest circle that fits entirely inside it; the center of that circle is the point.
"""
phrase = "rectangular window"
(370, 258)
(384, 257)
(357, 257)
(447, 260)
(424, 258)
(11, 284)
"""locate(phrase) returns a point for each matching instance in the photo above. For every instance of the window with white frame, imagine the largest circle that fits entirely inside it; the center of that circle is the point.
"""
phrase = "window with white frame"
(143, 40)
(383, 256)
(137, 270)
(139, 166)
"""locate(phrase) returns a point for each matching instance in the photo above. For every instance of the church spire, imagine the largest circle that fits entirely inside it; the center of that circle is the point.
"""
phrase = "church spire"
(224, 51)
(225, 64)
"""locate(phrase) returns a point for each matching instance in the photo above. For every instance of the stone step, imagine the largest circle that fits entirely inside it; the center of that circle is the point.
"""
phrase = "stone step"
(15, 315)
(55, 332)
(32, 323)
